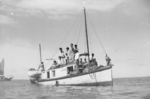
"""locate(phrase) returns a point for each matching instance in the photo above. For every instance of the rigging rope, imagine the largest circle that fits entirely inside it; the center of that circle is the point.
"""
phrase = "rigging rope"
(92, 74)
(65, 37)
(79, 32)
(97, 35)
(76, 29)
(91, 45)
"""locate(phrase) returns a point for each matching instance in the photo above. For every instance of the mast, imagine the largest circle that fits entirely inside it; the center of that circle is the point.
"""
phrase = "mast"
(40, 53)
(86, 32)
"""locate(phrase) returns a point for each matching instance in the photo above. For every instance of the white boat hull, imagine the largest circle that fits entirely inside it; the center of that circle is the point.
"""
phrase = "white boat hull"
(98, 78)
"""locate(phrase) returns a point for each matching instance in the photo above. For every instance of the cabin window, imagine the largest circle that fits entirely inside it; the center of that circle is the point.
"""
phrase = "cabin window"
(69, 70)
(53, 72)
(48, 74)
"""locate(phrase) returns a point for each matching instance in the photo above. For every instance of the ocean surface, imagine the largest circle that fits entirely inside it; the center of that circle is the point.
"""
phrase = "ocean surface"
(124, 88)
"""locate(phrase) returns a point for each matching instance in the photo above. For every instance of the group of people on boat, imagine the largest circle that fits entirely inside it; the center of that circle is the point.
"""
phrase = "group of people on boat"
(71, 55)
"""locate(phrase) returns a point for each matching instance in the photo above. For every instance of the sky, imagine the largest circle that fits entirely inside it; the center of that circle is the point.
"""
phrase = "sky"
(123, 27)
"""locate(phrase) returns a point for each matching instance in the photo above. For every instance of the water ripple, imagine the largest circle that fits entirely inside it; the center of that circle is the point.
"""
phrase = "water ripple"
(127, 88)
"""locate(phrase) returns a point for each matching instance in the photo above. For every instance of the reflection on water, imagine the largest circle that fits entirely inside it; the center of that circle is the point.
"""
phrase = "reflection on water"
(124, 88)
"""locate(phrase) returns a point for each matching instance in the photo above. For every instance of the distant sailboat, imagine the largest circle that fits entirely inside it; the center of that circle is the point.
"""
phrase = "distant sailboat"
(2, 77)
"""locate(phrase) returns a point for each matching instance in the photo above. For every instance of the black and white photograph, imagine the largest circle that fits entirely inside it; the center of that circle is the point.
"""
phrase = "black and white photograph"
(74, 49)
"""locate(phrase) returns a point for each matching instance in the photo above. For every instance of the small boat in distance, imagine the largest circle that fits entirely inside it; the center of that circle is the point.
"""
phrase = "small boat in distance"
(74, 73)
(2, 77)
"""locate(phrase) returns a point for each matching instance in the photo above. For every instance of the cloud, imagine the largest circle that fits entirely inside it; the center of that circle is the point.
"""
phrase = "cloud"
(103, 5)
(136, 8)
(63, 5)
(6, 20)
(40, 6)
(56, 7)
(49, 4)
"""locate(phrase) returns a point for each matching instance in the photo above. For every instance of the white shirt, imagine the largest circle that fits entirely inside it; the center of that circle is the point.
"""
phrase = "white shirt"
(41, 67)
(92, 58)
(76, 56)
(59, 61)
(62, 55)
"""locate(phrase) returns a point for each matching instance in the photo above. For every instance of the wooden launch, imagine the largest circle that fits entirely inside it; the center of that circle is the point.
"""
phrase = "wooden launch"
(64, 75)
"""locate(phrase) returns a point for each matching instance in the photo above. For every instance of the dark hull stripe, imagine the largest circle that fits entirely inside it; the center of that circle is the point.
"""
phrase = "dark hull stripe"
(75, 75)
(106, 83)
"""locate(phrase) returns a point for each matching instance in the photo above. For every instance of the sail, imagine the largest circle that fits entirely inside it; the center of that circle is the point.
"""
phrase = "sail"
(2, 67)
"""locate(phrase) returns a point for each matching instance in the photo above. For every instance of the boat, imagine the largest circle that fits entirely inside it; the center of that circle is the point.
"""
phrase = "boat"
(2, 77)
(72, 74)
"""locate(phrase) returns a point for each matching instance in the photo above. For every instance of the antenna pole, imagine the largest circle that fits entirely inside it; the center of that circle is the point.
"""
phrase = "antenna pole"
(40, 53)
(87, 42)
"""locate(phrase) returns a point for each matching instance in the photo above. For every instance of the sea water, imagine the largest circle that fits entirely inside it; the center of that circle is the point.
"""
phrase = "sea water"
(124, 88)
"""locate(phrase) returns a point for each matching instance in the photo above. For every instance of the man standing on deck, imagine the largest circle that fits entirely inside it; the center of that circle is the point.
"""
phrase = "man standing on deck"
(62, 55)
(41, 67)
(107, 60)
(67, 55)
(93, 60)
(77, 58)
(71, 53)
(80, 61)
(92, 57)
